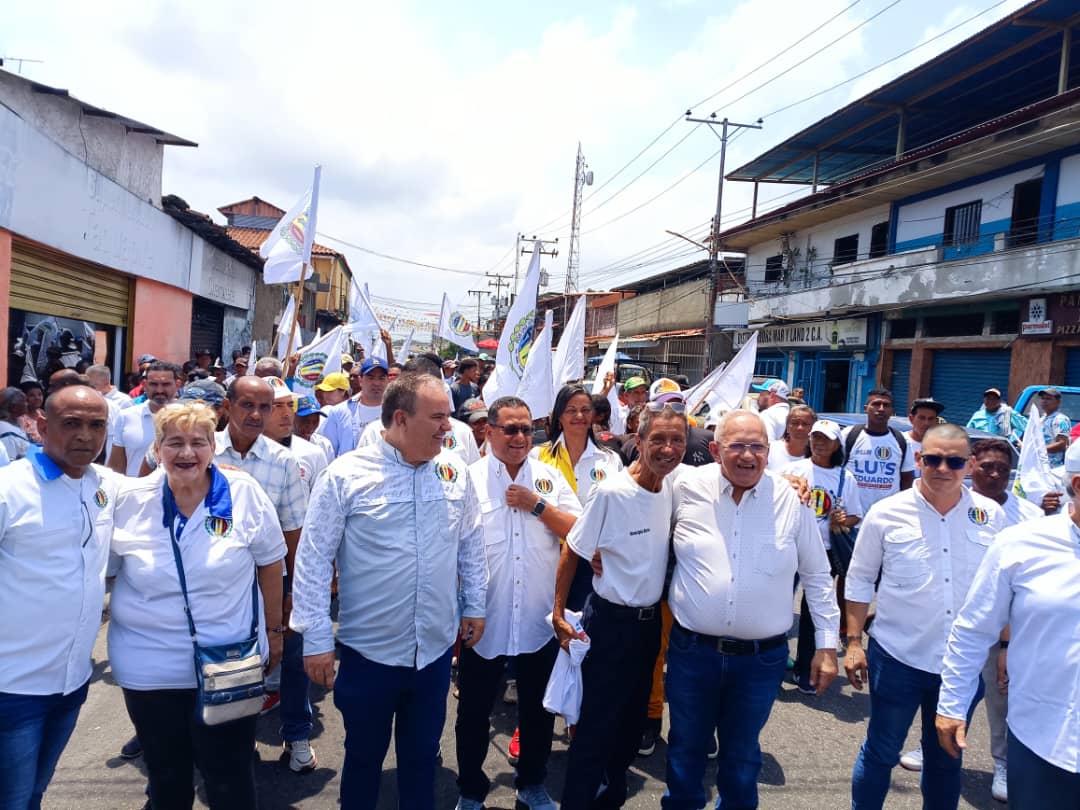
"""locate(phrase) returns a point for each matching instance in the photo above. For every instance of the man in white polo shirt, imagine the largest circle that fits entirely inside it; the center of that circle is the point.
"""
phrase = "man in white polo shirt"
(741, 535)
(526, 507)
(56, 513)
(773, 407)
(925, 544)
(134, 427)
(627, 519)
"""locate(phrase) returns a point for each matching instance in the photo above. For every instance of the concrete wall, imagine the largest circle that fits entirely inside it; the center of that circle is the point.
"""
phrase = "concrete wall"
(236, 332)
(5, 295)
(161, 325)
(678, 307)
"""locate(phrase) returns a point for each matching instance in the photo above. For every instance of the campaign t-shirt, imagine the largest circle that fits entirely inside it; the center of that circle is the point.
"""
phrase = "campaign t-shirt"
(876, 464)
(824, 483)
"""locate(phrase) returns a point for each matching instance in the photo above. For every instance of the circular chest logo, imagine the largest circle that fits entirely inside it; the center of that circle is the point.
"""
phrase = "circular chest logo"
(978, 516)
(446, 472)
(218, 526)
(450, 442)
(311, 367)
(883, 453)
(100, 498)
(597, 474)
(821, 501)
(544, 486)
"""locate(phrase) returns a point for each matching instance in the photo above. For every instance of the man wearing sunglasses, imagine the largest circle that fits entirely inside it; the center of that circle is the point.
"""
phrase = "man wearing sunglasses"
(927, 543)
(525, 508)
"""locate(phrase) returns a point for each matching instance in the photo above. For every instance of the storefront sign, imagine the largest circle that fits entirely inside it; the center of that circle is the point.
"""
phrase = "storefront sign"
(1063, 310)
(1037, 328)
(834, 335)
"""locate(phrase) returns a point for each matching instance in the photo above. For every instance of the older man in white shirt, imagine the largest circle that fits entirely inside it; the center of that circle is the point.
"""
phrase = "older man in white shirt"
(925, 543)
(1029, 580)
(741, 535)
(402, 521)
(526, 507)
(56, 511)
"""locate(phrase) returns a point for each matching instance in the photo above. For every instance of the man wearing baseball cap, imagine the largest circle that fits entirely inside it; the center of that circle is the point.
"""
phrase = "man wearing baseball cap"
(333, 389)
(998, 418)
(1056, 426)
(635, 391)
(347, 420)
(924, 413)
(306, 423)
(773, 406)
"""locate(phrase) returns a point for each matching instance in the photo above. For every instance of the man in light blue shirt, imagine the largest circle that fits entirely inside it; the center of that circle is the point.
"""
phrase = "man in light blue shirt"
(998, 418)
(402, 520)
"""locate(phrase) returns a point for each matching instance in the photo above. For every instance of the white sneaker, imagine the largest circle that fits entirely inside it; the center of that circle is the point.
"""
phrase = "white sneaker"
(535, 797)
(468, 804)
(912, 760)
(999, 788)
(301, 756)
(510, 695)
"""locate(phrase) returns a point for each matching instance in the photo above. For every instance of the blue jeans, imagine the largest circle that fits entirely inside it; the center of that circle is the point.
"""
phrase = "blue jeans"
(33, 732)
(1035, 784)
(295, 705)
(707, 690)
(897, 691)
(372, 698)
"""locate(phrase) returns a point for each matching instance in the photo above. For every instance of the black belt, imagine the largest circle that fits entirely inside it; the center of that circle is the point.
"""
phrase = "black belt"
(735, 646)
(641, 614)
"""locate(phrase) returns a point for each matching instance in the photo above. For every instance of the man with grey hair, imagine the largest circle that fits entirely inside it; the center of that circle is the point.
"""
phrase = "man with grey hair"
(740, 537)
(101, 378)
(268, 367)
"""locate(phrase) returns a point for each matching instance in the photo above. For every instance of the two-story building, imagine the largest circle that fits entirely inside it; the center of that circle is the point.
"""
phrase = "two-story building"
(938, 252)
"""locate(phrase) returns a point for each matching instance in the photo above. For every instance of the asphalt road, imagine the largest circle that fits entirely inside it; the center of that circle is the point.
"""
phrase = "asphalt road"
(809, 746)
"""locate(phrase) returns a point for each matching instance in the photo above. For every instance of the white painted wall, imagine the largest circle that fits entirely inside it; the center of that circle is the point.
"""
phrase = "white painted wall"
(926, 218)
(822, 237)
(1069, 181)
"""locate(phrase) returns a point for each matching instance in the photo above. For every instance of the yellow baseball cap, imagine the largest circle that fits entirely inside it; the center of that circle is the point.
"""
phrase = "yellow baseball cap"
(334, 382)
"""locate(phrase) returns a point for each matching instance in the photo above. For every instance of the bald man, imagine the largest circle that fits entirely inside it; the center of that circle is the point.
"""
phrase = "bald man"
(56, 510)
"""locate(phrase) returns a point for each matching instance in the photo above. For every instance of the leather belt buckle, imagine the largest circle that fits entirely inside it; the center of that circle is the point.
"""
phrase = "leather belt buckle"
(646, 613)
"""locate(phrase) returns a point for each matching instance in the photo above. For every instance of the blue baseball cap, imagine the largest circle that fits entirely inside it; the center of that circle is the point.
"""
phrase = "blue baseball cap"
(306, 406)
(372, 363)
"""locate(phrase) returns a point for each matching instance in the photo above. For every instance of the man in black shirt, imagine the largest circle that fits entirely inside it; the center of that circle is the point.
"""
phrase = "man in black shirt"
(465, 388)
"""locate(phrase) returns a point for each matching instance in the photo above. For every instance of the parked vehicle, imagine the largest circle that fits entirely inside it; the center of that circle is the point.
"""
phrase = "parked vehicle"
(1070, 400)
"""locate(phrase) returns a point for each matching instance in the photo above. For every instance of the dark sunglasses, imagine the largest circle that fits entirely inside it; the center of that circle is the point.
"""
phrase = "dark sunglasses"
(657, 407)
(513, 430)
(934, 460)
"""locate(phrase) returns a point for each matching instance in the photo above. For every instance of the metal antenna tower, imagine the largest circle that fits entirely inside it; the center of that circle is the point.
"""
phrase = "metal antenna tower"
(582, 177)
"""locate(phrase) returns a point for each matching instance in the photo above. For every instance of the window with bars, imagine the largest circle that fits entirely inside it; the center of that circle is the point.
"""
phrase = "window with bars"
(774, 268)
(962, 223)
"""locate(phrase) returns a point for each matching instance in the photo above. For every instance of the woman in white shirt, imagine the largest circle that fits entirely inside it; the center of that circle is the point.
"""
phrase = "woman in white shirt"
(834, 496)
(229, 539)
(794, 445)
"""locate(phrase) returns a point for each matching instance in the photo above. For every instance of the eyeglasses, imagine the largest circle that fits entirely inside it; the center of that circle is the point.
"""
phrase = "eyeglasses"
(513, 430)
(657, 407)
(757, 448)
(954, 463)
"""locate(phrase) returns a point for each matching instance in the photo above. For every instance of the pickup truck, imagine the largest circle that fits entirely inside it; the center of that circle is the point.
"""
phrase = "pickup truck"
(1070, 400)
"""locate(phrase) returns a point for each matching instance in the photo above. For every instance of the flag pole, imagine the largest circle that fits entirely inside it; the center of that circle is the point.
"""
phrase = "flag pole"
(296, 311)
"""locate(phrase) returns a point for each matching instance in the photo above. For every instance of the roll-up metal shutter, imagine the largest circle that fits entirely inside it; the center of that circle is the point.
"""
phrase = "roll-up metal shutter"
(900, 381)
(52, 283)
(1072, 366)
(207, 322)
(960, 376)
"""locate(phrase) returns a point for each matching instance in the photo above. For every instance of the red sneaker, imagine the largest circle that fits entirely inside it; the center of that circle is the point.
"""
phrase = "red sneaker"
(514, 749)
(270, 702)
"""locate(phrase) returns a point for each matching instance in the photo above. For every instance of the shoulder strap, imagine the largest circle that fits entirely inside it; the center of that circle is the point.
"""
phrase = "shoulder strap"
(852, 437)
(901, 440)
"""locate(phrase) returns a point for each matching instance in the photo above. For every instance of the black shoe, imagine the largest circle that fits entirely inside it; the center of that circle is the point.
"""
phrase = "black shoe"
(648, 738)
(132, 749)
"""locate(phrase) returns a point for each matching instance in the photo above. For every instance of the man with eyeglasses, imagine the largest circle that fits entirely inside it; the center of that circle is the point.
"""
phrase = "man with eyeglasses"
(56, 511)
(741, 534)
(926, 544)
(525, 508)
(627, 519)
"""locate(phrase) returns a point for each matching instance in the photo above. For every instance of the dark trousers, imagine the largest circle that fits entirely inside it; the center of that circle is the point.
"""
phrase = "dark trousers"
(807, 647)
(478, 684)
(372, 699)
(173, 741)
(616, 680)
(1035, 784)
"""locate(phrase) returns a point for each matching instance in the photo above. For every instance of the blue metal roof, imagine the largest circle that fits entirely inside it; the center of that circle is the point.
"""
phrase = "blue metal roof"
(1006, 66)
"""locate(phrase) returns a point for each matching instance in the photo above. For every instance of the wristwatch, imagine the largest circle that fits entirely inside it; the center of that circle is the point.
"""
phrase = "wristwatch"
(538, 510)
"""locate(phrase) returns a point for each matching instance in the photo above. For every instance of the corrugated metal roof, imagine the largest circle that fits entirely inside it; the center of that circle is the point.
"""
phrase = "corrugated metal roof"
(1006, 66)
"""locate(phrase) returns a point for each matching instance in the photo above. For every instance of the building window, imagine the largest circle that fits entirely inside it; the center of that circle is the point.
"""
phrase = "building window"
(770, 367)
(962, 223)
(956, 325)
(1005, 322)
(902, 328)
(845, 249)
(879, 240)
(774, 268)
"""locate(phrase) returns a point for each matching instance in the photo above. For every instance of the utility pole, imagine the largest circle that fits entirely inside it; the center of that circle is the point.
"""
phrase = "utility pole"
(714, 241)
(498, 282)
(582, 177)
(477, 293)
(545, 250)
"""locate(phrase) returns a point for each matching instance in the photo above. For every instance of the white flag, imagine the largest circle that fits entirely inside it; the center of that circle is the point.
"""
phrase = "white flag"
(318, 359)
(516, 337)
(284, 347)
(403, 353)
(617, 422)
(362, 319)
(254, 356)
(729, 389)
(1033, 476)
(288, 247)
(695, 394)
(535, 386)
(455, 327)
(569, 361)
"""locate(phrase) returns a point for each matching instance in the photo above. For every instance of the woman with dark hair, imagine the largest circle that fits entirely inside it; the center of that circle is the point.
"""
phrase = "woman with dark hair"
(35, 399)
(574, 451)
(794, 445)
(834, 497)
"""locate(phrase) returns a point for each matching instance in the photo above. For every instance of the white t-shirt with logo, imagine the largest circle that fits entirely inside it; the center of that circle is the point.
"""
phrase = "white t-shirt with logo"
(876, 464)
(824, 485)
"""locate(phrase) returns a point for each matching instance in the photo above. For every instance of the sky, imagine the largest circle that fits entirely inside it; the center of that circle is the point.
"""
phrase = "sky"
(446, 129)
